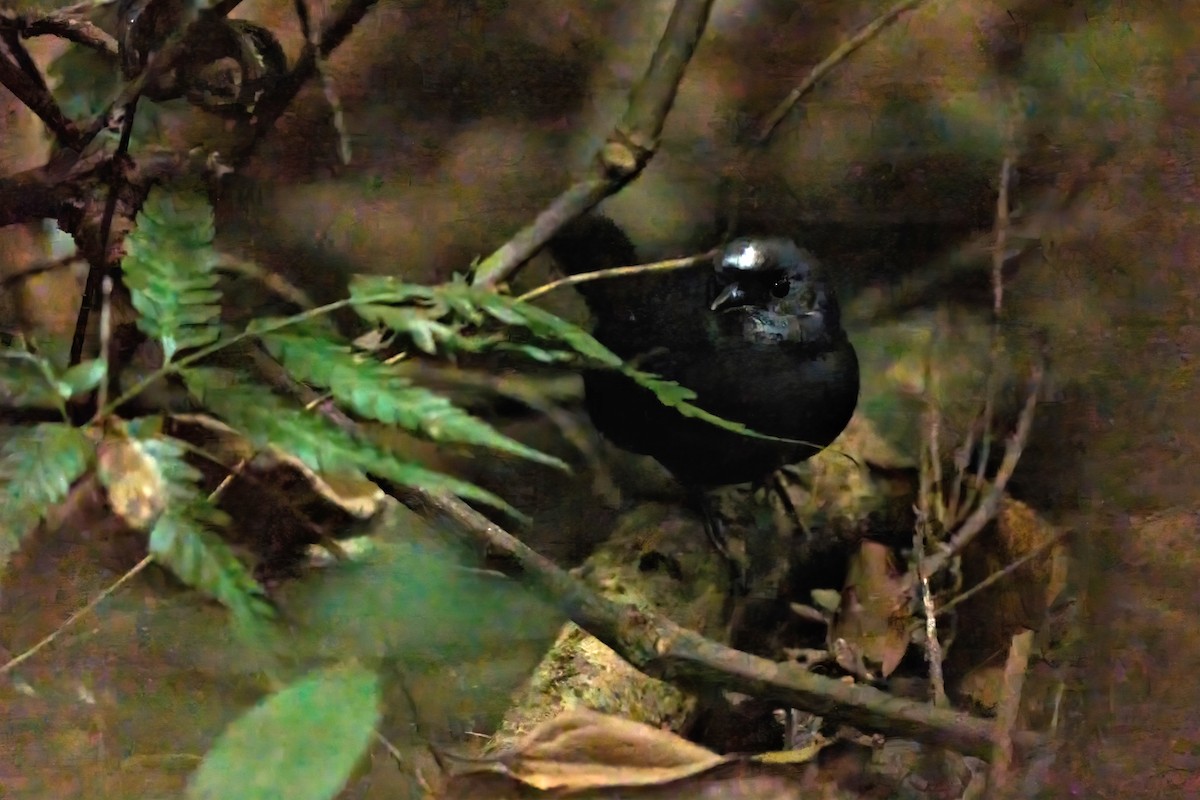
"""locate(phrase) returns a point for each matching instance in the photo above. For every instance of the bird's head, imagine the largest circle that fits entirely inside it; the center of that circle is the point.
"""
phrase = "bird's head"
(778, 291)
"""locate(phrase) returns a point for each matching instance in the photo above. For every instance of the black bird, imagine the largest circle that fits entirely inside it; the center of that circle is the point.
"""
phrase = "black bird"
(758, 337)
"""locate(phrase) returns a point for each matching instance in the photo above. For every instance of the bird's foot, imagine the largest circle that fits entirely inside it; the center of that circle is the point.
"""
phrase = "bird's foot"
(733, 551)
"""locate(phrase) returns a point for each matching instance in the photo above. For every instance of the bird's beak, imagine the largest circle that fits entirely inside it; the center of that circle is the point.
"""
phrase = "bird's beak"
(730, 297)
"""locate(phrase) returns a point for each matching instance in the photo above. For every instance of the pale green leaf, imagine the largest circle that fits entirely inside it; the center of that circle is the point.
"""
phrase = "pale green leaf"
(301, 743)
(267, 421)
(170, 268)
(38, 465)
(380, 392)
(82, 378)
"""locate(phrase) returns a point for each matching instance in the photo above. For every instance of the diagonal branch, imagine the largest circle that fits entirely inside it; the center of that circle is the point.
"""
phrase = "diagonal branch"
(625, 153)
(62, 25)
(271, 107)
(32, 91)
(661, 648)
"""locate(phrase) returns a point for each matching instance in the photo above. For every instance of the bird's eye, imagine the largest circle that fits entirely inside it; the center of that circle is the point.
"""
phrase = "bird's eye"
(781, 288)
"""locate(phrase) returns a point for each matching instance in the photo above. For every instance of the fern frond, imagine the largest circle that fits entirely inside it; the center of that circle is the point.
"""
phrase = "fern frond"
(37, 467)
(184, 537)
(378, 391)
(26, 381)
(377, 294)
(267, 421)
(170, 268)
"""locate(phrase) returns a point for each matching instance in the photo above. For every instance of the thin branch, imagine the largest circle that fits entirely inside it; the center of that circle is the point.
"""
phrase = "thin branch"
(161, 61)
(32, 91)
(660, 648)
(625, 153)
(49, 638)
(1007, 714)
(1001, 574)
(270, 108)
(41, 192)
(617, 272)
(987, 508)
(836, 57)
(60, 24)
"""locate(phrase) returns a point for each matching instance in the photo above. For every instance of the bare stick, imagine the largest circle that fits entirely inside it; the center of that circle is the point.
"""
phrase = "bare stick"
(625, 153)
(665, 650)
(1001, 574)
(61, 24)
(1010, 706)
(986, 510)
(49, 638)
(617, 272)
(836, 57)
(31, 90)
(269, 109)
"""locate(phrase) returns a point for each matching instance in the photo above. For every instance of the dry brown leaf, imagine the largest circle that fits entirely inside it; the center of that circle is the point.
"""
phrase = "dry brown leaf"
(874, 618)
(135, 487)
(583, 749)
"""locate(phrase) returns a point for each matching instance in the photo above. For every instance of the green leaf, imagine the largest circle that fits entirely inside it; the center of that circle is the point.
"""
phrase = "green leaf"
(380, 392)
(170, 268)
(25, 381)
(82, 378)
(378, 293)
(426, 333)
(544, 324)
(37, 467)
(184, 538)
(267, 421)
(301, 743)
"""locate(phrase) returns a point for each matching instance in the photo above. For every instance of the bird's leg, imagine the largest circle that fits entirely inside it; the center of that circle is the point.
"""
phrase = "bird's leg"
(777, 482)
(715, 530)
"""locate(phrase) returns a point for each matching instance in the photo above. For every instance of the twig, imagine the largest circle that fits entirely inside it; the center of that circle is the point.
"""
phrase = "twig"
(98, 268)
(268, 110)
(930, 483)
(9, 281)
(986, 510)
(31, 90)
(625, 153)
(161, 61)
(1010, 707)
(106, 287)
(617, 272)
(665, 650)
(1001, 226)
(335, 106)
(62, 24)
(836, 57)
(1001, 574)
(49, 638)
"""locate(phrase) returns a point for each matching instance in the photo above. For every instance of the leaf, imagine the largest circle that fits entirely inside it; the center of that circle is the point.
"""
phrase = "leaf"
(82, 378)
(544, 324)
(426, 333)
(267, 421)
(170, 268)
(37, 467)
(184, 538)
(671, 394)
(24, 382)
(133, 480)
(376, 293)
(301, 743)
(379, 392)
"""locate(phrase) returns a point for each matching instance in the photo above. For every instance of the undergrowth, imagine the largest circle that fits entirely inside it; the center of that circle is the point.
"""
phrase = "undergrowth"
(153, 485)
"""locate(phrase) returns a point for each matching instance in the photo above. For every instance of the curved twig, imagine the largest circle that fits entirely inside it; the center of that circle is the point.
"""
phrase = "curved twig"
(625, 153)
